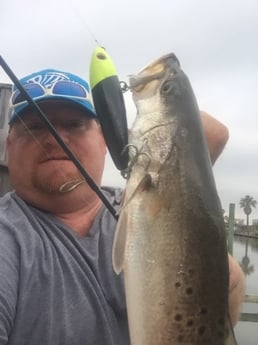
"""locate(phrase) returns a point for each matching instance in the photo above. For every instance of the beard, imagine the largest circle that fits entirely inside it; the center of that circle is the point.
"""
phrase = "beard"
(50, 179)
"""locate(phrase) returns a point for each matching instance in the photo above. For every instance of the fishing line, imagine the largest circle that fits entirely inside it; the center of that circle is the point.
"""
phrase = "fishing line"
(60, 141)
(83, 22)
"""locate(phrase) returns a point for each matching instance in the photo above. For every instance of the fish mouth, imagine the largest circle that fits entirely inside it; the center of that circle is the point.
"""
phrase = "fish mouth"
(157, 70)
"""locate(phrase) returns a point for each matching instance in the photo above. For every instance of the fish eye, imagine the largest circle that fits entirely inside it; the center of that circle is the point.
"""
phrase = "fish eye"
(167, 87)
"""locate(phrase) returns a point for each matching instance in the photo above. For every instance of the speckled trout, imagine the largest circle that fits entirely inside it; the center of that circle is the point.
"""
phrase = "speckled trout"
(170, 239)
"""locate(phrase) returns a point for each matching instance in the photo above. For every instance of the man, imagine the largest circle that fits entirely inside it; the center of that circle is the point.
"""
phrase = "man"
(57, 284)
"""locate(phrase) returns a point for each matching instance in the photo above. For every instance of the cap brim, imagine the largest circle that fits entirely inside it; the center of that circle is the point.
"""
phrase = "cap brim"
(83, 105)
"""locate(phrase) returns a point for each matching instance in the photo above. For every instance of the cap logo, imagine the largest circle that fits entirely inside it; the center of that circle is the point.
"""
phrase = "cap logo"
(47, 80)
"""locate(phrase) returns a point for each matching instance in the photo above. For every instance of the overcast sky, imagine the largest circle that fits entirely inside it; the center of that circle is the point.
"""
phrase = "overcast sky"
(215, 41)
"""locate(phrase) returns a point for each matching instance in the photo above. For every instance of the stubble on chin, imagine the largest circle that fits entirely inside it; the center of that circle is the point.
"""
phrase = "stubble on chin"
(51, 183)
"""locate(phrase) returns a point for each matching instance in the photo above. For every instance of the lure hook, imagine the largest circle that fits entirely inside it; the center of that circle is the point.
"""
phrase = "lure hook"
(124, 86)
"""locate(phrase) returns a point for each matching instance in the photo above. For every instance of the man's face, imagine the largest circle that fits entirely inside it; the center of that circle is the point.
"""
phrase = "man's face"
(35, 159)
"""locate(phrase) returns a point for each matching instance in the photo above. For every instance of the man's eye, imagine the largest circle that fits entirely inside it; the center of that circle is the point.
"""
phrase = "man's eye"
(77, 125)
(35, 127)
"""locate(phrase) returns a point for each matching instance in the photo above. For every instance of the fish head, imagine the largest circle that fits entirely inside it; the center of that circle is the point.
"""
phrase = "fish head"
(165, 101)
(167, 85)
(167, 108)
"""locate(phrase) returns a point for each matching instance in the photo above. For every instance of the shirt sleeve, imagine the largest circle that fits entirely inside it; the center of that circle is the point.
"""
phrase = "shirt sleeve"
(9, 272)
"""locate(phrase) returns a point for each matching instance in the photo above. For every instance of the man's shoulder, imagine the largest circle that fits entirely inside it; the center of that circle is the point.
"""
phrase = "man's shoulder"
(7, 204)
(10, 204)
(17, 219)
(5, 198)
(114, 194)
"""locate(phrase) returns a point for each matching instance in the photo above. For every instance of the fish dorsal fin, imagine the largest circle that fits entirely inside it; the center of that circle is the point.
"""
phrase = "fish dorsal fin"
(119, 243)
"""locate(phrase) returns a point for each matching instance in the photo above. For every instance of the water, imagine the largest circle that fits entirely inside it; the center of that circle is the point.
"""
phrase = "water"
(245, 251)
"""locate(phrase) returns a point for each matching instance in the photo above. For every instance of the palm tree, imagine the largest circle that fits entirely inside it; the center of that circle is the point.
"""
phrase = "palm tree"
(247, 269)
(247, 203)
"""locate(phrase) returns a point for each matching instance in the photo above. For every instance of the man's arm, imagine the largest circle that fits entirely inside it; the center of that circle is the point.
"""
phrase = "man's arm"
(217, 136)
(236, 289)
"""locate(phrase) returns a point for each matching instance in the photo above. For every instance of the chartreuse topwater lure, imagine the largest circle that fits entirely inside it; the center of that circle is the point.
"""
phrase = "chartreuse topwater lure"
(109, 104)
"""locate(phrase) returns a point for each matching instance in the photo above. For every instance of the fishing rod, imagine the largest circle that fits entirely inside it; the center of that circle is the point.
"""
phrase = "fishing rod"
(60, 141)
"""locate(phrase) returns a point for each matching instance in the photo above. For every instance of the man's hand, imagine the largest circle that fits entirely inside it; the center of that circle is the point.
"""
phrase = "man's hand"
(236, 289)
(216, 135)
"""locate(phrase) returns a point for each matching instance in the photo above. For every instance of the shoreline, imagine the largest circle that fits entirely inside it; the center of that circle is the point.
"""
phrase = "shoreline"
(246, 235)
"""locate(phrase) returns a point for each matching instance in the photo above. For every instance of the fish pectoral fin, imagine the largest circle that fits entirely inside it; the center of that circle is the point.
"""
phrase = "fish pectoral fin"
(143, 185)
(230, 339)
(119, 243)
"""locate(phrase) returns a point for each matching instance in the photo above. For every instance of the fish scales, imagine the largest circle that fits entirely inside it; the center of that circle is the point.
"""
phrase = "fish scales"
(170, 239)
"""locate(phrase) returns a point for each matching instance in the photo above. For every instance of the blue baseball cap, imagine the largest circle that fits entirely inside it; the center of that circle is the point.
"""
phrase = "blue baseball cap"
(51, 84)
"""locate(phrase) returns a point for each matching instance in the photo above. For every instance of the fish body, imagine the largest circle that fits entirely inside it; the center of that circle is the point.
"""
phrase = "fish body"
(170, 239)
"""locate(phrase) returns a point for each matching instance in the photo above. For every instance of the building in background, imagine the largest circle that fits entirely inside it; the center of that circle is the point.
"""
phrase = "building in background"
(5, 93)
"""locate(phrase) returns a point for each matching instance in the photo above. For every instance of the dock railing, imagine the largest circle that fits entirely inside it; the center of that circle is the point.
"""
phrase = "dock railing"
(250, 317)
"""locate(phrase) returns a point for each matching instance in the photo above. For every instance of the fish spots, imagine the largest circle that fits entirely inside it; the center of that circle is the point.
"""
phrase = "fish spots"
(178, 317)
(198, 326)
(201, 330)
(190, 323)
(177, 284)
(189, 291)
(186, 279)
(180, 338)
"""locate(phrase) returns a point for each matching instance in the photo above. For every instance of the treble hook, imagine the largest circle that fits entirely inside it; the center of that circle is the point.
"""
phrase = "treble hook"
(138, 152)
(124, 86)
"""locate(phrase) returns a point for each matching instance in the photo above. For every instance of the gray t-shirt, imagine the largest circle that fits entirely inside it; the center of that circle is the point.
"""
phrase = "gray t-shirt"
(55, 287)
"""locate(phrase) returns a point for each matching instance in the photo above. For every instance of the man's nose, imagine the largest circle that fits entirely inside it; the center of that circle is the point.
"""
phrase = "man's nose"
(62, 132)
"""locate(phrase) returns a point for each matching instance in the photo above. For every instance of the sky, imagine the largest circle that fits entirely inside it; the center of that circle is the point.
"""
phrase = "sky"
(215, 41)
